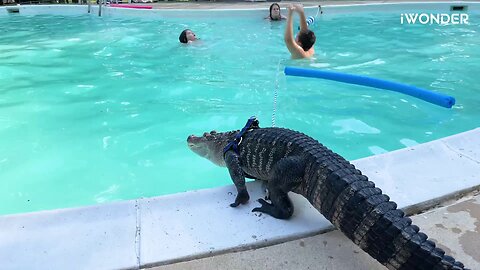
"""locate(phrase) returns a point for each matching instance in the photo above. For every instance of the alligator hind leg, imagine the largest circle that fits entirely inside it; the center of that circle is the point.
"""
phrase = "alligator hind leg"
(286, 175)
(281, 206)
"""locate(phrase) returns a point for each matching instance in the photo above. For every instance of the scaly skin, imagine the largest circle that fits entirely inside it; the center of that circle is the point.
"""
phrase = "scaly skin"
(292, 161)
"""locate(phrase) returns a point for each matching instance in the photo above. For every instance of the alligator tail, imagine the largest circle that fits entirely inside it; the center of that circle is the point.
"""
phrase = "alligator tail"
(368, 218)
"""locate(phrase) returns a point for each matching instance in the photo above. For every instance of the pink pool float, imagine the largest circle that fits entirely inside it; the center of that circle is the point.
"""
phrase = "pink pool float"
(130, 6)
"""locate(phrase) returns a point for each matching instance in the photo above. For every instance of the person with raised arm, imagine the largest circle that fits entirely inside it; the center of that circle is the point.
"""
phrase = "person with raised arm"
(302, 45)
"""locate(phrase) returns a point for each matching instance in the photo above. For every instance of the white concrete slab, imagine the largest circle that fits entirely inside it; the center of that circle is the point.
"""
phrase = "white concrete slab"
(453, 228)
(426, 171)
(99, 237)
(467, 144)
(195, 224)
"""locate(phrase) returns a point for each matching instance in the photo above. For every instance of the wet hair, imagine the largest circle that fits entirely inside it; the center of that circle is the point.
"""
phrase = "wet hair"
(183, 36)
(271, 7)
(307, 39)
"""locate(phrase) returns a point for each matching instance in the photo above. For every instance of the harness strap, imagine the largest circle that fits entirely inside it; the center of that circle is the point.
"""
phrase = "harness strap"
(252, 123)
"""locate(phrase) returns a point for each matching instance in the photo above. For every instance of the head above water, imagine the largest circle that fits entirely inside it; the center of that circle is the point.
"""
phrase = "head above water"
(275, 12)
(211, 145)
(306, 39)
(186, 36)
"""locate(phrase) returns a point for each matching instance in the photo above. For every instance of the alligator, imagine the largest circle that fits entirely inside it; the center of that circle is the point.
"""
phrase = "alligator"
(292, 161)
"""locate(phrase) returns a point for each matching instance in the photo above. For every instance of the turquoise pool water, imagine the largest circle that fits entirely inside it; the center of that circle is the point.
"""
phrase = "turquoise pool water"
(96, 109)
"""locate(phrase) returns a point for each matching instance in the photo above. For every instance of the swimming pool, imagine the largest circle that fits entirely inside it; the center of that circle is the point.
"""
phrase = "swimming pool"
(98, 109)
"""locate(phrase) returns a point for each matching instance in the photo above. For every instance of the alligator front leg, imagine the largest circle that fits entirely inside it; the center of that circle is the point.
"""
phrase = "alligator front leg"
(238, 177)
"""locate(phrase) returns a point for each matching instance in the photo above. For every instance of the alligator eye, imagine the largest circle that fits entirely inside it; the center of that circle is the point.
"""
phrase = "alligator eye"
(213, 132)
(205, 134)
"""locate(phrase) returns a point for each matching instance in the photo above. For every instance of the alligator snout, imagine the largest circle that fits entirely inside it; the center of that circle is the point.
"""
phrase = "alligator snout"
(191, 141)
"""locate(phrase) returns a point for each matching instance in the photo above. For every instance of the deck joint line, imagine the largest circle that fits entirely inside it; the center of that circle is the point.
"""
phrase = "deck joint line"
(137, 232)
(460, 152)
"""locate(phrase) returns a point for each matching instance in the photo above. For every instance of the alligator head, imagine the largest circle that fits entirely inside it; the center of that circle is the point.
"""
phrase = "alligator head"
(210, 145)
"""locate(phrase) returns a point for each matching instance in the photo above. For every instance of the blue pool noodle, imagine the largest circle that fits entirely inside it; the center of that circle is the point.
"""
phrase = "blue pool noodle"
(429, 96)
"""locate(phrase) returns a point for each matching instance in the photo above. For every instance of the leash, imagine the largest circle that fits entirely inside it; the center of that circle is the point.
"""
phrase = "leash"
(275, 93)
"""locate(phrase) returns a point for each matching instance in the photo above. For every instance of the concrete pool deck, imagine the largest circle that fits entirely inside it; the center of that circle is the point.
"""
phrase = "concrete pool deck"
(192, 225)
(455, 228)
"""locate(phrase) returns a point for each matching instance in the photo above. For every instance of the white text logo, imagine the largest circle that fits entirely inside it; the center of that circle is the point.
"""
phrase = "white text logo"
(426, 18)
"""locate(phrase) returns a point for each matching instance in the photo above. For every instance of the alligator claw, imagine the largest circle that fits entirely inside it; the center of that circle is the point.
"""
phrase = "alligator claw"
(235, 204)
(263, 209)
(242, 198)
(263, 202)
